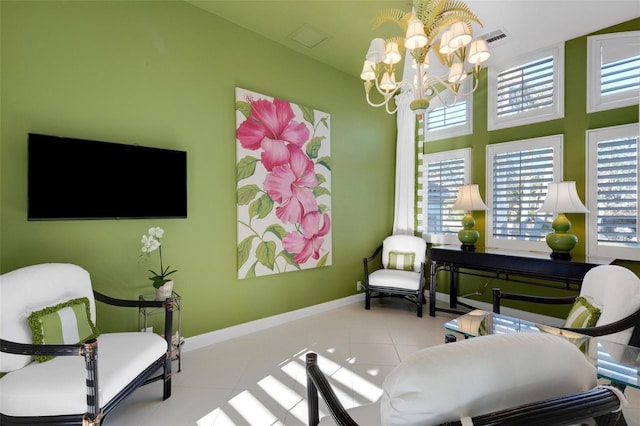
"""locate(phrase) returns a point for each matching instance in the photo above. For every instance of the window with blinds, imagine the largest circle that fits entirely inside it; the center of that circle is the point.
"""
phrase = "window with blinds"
(613, 80)
(526, 87)
(444, 173)
(527, 90)
(447, 116)
(612, 188)
(518, 174)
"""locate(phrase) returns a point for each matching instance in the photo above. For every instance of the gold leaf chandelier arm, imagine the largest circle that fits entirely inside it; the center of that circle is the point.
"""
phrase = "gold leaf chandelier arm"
(395, 16)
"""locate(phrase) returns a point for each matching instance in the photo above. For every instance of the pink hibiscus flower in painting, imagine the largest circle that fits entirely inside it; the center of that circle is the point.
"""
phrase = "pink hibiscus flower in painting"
(291, 185)
(309, 243)
(271, 127)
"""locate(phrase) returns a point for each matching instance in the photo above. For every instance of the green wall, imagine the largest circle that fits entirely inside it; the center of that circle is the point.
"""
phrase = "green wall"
(575, 123)
(163, 73)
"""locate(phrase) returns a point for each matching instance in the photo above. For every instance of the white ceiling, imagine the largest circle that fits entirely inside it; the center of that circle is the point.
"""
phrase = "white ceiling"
(530, 24)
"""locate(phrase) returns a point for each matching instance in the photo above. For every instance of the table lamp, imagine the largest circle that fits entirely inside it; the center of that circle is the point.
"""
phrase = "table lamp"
(468, 200)
(562, 198)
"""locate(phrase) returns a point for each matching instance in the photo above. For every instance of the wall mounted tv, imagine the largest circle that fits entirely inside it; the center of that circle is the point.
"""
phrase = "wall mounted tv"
(71, 179)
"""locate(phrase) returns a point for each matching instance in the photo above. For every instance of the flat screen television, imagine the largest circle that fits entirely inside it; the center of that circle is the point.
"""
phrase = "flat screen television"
(70, 179)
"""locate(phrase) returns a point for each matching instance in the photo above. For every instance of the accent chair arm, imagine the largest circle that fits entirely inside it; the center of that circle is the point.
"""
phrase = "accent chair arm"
(128, 303)
(632, 320)
(317, 383)
(498, 295)
(45, 350)
(369, 259)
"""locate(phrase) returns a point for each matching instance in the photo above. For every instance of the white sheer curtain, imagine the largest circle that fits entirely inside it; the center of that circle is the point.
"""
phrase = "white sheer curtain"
(403, 216)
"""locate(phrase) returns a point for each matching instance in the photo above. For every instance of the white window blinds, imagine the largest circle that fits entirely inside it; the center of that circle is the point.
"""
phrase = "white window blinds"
(442, 173)
(447, 116)
(518, 174)
(617, 193)
(526, 87)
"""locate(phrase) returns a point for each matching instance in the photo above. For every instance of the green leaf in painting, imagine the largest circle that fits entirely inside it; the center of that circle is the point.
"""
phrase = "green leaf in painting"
(266, 253)
(246, 168)
(243, 250)
(314, 145)
(277, 230)
(320, 178)
(244, 108)
(322, 261)
(261, 207)
(323, 120)
(251, 273)
(307, 114)
(323, 208)
(325, 161)
(289, 258)
(320, 190)
(247, 193)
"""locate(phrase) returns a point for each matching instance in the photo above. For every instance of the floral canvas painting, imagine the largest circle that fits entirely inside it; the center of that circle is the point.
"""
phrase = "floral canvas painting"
(283, 176)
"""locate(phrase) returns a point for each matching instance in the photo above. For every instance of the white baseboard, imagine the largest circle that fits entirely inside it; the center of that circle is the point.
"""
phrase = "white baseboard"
(206, 339)
(202, 340)
(516, 313)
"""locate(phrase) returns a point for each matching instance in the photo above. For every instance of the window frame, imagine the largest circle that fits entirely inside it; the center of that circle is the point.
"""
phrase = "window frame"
(464, 153)
(595, 101)
(609, 250)
(459, 130)
(551, 112)
(555, 142)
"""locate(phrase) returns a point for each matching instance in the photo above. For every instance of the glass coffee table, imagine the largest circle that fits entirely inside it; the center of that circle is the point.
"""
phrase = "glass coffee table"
(614, 361)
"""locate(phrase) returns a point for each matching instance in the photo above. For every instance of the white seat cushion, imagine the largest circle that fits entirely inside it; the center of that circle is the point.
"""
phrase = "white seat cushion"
(477, 376)
(394, 278)
(57, 387)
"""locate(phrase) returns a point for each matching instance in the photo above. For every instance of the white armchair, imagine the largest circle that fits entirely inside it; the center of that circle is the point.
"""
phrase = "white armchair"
(510, 379)
(48, 310)
(403, 270)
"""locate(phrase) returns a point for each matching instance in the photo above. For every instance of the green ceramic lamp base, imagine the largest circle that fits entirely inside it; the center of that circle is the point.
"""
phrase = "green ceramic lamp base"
(468, 236)
(561, 242)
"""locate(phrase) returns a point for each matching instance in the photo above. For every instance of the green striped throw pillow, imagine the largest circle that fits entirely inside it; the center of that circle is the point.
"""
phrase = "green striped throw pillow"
(583, 314)
(67, 323)
(400, 260)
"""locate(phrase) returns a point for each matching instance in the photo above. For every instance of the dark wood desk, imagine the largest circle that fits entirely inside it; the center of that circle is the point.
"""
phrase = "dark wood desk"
(503, 264)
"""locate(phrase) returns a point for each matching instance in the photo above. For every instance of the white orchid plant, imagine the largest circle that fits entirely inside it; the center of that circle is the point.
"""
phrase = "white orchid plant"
(150, 243)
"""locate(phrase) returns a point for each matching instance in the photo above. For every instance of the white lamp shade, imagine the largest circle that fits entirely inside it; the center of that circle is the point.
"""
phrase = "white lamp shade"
(562, 197)
(376, 53)
(460, 35)
(416, 38)
(388, 82)
(368, 72)
(444, 43)
(392, 54)
(478, 52)
(469, 198)
(456, 73)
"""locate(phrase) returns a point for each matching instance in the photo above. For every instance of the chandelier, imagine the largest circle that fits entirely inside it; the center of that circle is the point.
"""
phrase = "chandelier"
(440, 27)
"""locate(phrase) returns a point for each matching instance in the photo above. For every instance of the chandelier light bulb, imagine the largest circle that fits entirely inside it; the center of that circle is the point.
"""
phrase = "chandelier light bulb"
(460, 36)
(444, 43)
(456, 73)
(392, 53)
(478, 52)
(416, 38)
(388, 82)
(368, 72)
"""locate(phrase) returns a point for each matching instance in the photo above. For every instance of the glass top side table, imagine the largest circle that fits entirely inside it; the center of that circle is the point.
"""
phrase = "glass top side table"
(144, 314)
(617, 362)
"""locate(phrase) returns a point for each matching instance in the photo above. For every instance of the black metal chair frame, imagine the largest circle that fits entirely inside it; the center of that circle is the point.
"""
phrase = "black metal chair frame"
(89, 350)
(632, 320)
(600, 404)
(374, 292)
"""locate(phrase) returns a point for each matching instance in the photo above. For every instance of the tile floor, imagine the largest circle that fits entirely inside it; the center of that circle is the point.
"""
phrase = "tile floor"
(259, 379)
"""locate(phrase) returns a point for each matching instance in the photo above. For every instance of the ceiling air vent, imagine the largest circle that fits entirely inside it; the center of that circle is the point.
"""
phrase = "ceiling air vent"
(496, 38)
